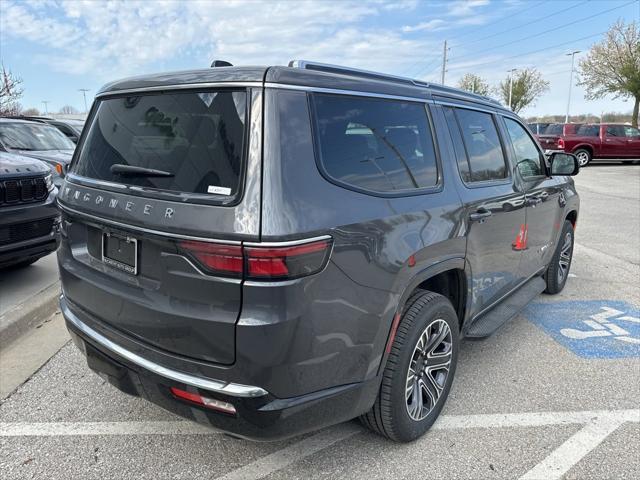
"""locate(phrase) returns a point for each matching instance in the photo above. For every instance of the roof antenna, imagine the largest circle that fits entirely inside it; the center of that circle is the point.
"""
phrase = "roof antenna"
(221, 63)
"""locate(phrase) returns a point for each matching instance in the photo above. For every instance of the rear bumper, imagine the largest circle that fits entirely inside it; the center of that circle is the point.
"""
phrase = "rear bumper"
(260, 415)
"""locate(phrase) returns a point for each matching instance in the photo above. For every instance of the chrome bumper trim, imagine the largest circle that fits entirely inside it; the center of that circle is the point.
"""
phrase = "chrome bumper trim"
(232, 389)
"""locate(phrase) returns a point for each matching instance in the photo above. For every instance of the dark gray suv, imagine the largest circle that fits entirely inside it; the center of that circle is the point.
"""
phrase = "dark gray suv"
(270, 250)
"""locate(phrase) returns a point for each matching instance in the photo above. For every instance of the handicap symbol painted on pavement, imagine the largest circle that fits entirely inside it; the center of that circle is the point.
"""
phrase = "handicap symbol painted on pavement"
(591, 328)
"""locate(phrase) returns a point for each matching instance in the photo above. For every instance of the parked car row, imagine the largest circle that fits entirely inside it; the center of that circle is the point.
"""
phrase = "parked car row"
(34, 155)
(604, 141)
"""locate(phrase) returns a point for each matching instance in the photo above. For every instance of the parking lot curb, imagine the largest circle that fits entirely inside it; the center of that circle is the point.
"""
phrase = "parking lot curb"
(29, 314)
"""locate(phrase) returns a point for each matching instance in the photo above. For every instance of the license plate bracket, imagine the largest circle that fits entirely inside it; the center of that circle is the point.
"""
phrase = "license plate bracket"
(120, 252)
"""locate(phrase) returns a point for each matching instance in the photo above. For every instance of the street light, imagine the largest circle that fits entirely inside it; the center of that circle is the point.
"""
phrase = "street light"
(573, 55)
(511, 72)
(46, 110)
(84, 94)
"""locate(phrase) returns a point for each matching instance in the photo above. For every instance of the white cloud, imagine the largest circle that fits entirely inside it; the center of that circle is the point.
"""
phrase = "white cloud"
(463, 8)
(429, 25)
(115, 39)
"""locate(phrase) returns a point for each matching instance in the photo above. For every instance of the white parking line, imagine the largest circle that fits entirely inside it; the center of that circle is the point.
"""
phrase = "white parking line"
(573, 450)
(598, 425)
(445, 422)
(51, 429)
(293, 453)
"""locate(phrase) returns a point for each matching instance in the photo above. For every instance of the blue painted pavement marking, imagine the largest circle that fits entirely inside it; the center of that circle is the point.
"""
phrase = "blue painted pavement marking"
(590, 328)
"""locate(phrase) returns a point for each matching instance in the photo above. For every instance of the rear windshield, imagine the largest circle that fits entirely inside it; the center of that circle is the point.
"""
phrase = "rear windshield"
(196, 139)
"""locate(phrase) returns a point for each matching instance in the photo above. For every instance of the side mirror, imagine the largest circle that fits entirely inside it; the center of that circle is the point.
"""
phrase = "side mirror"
(564, 164)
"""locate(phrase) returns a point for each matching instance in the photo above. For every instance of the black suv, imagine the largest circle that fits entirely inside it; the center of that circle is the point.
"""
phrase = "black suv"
(29, 219)
(270, 250)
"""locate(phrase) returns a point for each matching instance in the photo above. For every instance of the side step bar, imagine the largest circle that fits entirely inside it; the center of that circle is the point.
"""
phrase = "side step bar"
(491, 321)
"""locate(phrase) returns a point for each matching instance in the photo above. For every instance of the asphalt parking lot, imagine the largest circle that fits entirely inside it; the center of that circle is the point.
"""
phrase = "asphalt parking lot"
(554, 394)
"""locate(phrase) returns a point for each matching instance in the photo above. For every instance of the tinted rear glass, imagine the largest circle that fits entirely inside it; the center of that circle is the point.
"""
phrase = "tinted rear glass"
(197, 137)
(374, 144)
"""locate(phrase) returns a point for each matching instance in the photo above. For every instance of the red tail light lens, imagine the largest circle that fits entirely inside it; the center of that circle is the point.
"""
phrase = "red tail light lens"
(287, 262)
(258, 262)
(561, 143)
(216, 257)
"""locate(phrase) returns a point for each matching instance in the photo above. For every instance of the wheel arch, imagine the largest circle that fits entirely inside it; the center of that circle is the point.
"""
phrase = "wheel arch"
(572, 216)
(448, 278)
(583, 146)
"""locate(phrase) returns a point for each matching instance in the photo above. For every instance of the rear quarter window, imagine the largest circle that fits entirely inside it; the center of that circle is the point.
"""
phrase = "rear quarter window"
(197, 137)
(375, 145)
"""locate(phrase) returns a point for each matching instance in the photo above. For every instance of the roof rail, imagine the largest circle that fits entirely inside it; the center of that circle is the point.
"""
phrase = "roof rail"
(326, 67)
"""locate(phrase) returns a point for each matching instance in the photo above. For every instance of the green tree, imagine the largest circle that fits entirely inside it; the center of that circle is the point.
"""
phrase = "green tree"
(527, 86)
(474, 83)
(612, 67)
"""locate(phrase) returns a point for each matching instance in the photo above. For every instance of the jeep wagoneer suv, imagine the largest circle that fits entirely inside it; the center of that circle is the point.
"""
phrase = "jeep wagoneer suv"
(270, 250)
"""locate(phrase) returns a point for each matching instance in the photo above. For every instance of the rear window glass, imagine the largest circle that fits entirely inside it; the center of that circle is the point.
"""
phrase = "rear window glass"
(195, 138)
(374, 144)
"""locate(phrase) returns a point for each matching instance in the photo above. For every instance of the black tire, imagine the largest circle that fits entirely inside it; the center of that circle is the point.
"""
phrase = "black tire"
(390, 415)
(584, 156)
(558, 270)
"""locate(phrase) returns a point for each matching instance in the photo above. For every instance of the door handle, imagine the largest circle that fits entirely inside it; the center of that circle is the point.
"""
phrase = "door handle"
(480, 215)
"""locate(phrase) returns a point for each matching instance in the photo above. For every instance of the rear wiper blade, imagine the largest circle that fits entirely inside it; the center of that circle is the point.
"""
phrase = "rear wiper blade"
(133, 171)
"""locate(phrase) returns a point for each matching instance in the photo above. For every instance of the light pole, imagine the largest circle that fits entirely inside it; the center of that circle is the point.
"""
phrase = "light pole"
(511, 72)
(84, 94)
(573, 55)
(46, 110)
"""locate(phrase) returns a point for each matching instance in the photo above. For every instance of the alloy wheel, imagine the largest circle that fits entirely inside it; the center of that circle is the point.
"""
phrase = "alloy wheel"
(428, 369)
(565, 257)
(583, 158)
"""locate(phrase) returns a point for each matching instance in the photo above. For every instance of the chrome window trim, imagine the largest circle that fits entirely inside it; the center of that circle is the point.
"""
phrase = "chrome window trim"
(290, 243)
(161, 233)
(218, 386)
(355, 93)
(179, 86)
(480, 107)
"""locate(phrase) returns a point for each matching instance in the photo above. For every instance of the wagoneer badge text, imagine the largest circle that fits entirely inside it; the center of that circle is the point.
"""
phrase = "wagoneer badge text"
(112, 202)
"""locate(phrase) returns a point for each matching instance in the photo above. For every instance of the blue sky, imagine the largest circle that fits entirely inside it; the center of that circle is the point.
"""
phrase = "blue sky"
(60, 46)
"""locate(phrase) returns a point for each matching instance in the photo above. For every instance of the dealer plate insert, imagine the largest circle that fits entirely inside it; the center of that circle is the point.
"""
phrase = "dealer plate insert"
(120, 252)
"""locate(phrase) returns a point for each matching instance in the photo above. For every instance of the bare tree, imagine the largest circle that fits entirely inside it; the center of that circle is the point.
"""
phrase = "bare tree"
(10, 93)
(612, 67)
(31, 112)
(525, 86)
(68, 110)
(474, 83)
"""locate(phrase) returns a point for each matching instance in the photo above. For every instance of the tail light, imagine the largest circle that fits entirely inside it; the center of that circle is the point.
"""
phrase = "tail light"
(561, 143)
(216, 257)
(258, 262)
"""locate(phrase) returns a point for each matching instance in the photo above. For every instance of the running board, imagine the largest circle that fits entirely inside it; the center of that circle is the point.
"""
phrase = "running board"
(504, 311)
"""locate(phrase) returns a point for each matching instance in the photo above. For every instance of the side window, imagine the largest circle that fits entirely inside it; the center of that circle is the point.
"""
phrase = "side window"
(588, 131)
(458, 144)
(374, 144)
(631, 132)
(482, 144)
(528, 157)
(615, 131)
